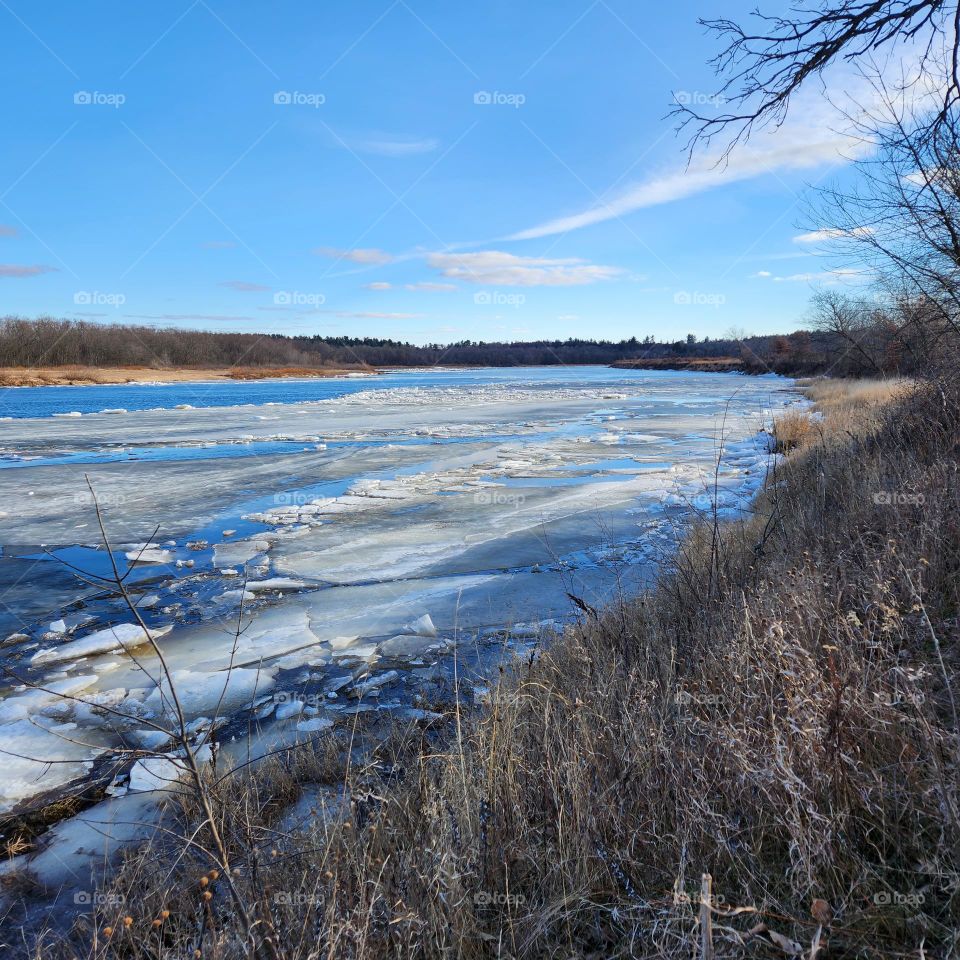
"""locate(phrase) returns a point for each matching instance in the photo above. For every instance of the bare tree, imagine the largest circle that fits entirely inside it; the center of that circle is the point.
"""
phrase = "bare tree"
(763, 67)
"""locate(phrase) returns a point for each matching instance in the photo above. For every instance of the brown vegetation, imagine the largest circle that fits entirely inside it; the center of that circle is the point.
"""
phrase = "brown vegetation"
(694, 364)
(73, 375)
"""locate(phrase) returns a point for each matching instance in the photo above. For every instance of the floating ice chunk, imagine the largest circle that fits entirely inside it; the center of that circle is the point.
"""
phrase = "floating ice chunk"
(371, 686)
(314, 725)
(184, 406)
(148, 553)
(406, 646)
(341, 643)
(123, 636)
(235, 596)
(33, 701)
(200, 692)
(415, 713)
(275, 583)
(422, 627)
(58, 626)
(289, 708)
(24, 740)
(72, 413)
(113, 410)
(156, 773)
(236, 552)
(150, 739)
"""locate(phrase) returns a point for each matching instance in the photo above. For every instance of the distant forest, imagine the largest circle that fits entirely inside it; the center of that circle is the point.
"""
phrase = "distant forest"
(846, 339)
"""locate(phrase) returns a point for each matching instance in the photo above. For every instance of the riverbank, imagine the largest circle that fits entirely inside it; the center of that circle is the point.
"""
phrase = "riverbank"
(692, 364)
(770, 728)
(76, 375)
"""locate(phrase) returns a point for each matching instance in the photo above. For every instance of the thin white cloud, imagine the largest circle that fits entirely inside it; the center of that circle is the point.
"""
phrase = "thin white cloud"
(396, 146)
(369, 256)
(830, 233)
(825, 276)
(496, 268)
(19, 270)
(244, 286)
(431, 286)
(763, 273)
(808, 140)
(379, 285)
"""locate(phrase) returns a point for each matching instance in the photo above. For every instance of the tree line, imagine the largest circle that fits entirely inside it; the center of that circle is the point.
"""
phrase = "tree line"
(847, 337)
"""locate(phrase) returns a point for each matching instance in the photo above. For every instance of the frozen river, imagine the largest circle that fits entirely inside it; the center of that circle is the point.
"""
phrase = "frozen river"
(365, 529)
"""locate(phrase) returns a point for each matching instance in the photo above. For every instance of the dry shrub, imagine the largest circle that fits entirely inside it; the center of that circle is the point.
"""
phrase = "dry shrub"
(792, 429)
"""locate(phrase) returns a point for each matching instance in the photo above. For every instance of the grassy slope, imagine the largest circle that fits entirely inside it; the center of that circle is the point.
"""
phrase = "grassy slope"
(777, 713)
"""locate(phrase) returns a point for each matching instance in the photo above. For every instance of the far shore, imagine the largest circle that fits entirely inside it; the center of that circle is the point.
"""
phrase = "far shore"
(74, 375)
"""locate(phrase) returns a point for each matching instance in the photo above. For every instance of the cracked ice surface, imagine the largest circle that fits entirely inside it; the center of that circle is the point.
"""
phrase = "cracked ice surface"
(346, 539)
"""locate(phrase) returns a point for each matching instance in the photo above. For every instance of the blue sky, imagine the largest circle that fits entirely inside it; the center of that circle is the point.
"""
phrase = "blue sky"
(414, 169)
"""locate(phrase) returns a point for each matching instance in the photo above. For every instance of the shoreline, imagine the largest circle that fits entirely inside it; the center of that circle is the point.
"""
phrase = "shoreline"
(75, 375)
(72, 375)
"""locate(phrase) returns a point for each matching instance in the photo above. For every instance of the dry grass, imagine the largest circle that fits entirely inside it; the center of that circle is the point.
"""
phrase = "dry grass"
(852, 396)
(792, 429)
(778, 713)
